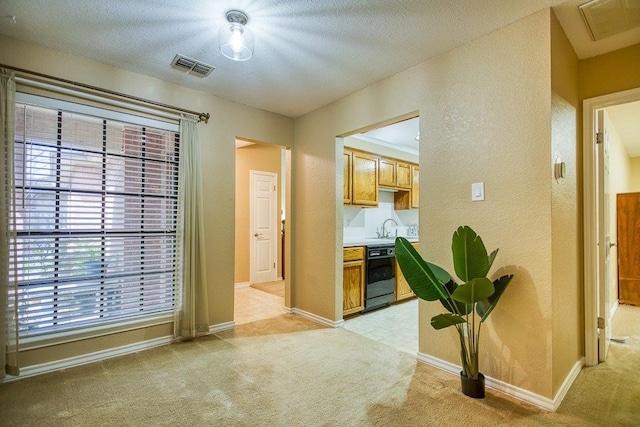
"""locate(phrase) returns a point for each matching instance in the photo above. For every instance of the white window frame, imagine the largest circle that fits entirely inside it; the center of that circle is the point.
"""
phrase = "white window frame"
(109, 327)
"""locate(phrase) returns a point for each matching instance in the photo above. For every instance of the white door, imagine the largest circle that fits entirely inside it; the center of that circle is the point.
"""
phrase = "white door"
(263, 226)
(604, 237)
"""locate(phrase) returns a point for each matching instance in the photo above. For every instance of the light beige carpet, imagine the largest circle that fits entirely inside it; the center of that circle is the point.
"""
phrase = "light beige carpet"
(275, 288)
(289, 371)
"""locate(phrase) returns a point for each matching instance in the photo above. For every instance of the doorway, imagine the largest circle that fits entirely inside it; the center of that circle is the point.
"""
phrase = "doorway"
(600, 301)
(264, 226)
(262, 203)
(386, 154)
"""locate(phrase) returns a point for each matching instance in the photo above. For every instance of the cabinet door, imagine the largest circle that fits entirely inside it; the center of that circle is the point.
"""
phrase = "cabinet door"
(628, 209)
(352, 287)
(415, 187)
(364, 179)
(387, 175)
(347, 176)
(403, 290)
(403, 171)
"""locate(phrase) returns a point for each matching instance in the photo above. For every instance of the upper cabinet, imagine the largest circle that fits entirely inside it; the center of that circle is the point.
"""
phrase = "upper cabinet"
(387, 173)
(364, 179)
(415, 186)
(403, 173)
(366, 173)
(394, 173)
(347, 158)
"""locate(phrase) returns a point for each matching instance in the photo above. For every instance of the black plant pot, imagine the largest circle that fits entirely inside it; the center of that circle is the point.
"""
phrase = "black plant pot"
(472, 388)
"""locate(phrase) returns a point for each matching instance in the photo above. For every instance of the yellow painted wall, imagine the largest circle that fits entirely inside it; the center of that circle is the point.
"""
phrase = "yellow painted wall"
(620, 170)
(259, 157)
(610, 73)
(486, 107)
(566, 212)
(607, 74)
(634, 180)
(228, 121)
(489, 108)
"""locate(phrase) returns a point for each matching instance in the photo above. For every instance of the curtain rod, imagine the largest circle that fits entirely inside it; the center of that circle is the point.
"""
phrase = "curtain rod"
(202, 117)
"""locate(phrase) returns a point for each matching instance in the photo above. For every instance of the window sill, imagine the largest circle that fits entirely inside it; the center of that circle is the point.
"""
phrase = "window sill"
(32, 343)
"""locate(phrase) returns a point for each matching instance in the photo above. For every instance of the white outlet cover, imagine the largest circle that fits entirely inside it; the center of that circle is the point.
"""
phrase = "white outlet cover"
(477, 191)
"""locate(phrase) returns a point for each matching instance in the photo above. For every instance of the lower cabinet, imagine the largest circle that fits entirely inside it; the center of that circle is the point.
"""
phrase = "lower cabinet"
(403, 290)
(353, 280)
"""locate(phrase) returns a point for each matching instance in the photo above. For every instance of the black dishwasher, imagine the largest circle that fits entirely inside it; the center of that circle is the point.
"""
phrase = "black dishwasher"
(380, 276)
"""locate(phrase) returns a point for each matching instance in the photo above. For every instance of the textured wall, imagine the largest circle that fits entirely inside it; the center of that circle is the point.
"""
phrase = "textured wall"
(568, 299)
(489, 121)
(634, 181)
(317, 186)
(485, 115)
(610, 73)
(260, 157)
(228, 121)
(620, 169)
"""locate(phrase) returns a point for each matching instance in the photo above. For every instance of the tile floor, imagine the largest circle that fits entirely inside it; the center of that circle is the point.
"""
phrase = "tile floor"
(252, 304)
(396, 325)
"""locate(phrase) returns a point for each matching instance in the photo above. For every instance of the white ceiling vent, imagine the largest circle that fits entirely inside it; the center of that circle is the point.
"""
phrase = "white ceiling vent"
(605, 18)
(191, 66)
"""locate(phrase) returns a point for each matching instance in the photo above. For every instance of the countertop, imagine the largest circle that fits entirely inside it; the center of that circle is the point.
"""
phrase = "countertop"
(370, 241)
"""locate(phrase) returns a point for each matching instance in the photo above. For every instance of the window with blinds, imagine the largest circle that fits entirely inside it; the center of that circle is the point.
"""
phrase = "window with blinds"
(95, 233)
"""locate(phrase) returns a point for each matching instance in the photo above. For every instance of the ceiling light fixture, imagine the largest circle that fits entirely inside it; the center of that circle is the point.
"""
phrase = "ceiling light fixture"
(234, 39)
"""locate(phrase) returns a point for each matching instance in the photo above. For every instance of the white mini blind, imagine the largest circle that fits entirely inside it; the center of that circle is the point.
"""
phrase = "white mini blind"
(96, 219)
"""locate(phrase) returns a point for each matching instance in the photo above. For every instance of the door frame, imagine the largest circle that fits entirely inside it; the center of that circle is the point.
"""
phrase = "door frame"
(590, 184)
(274, 213)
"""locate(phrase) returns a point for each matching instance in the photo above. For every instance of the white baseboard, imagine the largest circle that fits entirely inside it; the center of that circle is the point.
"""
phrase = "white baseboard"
(317, 319)
(287, 310)
(84, 359)
(613, 309)
(242, 285)
(221, 327)
(511, 390)
(566, 385)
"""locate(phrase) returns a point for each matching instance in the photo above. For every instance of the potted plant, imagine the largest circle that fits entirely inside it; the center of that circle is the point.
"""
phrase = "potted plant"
(468, 304)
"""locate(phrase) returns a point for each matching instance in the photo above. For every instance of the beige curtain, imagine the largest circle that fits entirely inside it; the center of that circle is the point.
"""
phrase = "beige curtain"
(8, 288)
(192, 313)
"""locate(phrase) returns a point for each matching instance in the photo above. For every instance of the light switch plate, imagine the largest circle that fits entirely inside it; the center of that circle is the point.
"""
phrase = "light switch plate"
(477, 191)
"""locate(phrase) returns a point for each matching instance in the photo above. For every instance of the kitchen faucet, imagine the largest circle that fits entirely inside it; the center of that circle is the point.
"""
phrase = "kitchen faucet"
(386, 235)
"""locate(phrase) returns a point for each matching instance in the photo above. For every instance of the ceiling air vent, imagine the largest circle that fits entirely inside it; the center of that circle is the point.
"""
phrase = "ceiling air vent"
(605, 18)
(192, 66)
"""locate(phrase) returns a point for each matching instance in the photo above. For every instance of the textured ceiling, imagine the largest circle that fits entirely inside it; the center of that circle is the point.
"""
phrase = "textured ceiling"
(570, 18)
(308, 53)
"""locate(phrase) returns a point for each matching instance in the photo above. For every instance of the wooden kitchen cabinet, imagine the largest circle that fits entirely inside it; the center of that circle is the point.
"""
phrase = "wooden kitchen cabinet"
(387, 175)
(415, 186)
(364, 179)
(347, 158)
(403, 175)
(365, 173)
(353, 280)
(403, 290)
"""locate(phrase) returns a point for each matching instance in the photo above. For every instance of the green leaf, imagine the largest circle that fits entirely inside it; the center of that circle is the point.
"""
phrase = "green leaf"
(473, 291)
(445, 320)
(422, 280)
(470, 258)
(441, 273)
(460, 308)
(485, 307)
(492, 258)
